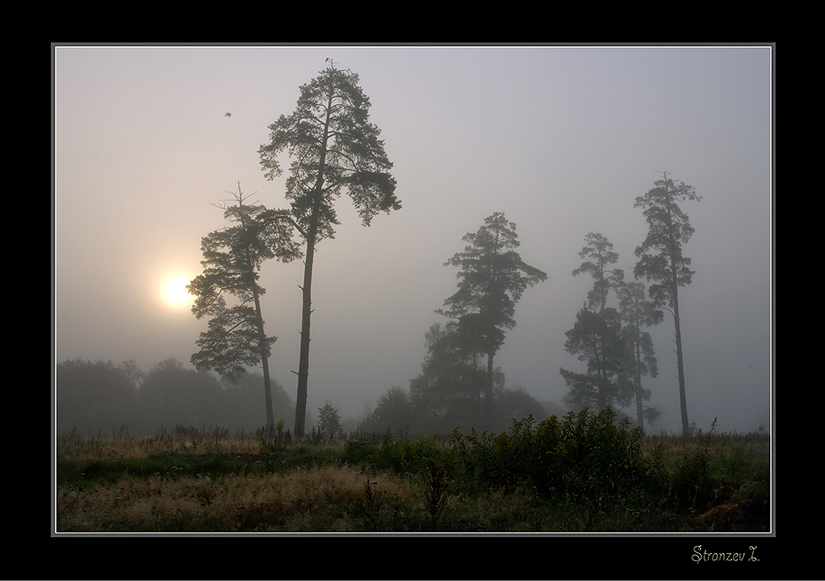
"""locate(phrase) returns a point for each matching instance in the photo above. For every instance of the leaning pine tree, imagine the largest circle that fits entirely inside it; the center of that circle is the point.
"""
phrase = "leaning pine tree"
(335, 149)
(232, 257)
(662, 262)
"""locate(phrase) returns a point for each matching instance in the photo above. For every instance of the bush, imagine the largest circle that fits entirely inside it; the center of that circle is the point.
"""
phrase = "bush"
(586, 457)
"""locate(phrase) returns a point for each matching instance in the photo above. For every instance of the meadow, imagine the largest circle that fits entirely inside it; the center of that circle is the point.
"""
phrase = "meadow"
(582, 473)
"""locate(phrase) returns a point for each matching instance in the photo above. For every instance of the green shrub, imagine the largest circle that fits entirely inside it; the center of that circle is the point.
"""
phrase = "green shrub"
(587, 457)
(358, 452)
(507, 460)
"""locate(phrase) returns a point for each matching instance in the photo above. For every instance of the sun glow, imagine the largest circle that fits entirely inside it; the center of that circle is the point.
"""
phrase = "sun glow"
(173, 292)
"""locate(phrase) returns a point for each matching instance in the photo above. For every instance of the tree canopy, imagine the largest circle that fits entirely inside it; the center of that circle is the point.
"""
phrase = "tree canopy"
(491, 279)
(334, 148)
(637, 312)
(616, 355)
(595, 339)
(660, 254)
(600, 254)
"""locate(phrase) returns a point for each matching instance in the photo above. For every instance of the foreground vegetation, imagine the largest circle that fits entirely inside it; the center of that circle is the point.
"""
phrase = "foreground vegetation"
(584, 472)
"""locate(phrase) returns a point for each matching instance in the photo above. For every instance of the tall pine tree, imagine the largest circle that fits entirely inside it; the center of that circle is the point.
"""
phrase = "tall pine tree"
(335, 149)
(662, 262)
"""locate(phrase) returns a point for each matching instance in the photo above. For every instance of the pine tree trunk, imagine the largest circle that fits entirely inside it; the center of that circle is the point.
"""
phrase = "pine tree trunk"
(680, 366)
(270, 417)
(306, 312)
(488, 395)
(303, 366)
(637, 378)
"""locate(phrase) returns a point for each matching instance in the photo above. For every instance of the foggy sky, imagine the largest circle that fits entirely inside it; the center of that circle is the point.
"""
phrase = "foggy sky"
(560, 139)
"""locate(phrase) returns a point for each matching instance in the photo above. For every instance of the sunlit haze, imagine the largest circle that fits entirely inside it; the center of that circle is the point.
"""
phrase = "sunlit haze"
(174, 293)
(560, 139)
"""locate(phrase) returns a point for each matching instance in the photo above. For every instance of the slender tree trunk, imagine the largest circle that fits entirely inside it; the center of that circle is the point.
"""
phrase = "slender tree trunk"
(488, 395)
(680, 364)
(637, 378)
(602, 398)
(270, 417)
(306, 313)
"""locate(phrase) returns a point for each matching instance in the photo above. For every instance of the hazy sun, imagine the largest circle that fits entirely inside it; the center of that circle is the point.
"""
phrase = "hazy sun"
(174, 294)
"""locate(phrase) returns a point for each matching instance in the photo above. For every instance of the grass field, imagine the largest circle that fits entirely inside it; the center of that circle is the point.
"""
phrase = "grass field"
(544, 478)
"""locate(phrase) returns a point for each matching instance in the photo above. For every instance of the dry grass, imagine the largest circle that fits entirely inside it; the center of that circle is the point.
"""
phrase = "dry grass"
(326, 498)
(74, 446)
(329, 497)
(674, 446)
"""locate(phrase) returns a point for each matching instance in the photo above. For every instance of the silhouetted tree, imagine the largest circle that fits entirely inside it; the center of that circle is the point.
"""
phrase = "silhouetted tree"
(492, 279)
(329, 421)
(599, 252)
(172, 395)
(516, 404)
(661, 259)
(596, 338)
(448, 391)
(394, 412)
(335, 148)
(232, 260)
(638, 312)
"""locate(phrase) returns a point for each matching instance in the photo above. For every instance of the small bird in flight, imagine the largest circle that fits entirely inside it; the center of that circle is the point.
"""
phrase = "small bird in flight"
(229, 114)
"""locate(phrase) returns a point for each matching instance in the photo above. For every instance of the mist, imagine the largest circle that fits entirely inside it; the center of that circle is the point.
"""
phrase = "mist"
(562, 139)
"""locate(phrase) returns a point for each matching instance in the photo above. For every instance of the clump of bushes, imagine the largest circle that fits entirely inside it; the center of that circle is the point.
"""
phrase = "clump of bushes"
(585, 457)
(585, 460)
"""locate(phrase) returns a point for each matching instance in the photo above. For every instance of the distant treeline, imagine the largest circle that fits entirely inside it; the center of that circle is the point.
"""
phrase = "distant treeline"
(104, 396)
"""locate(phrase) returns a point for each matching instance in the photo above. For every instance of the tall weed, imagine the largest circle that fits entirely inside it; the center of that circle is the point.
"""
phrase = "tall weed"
(690, 486)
